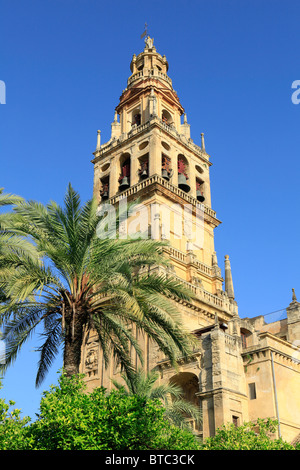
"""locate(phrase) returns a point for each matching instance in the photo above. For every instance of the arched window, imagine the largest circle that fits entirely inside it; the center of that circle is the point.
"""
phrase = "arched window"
(136, 119)
(166, 170)
(166, 117)
(104, 190)
(245, 337)
(143, 170)
(199, 190)
(124, 179)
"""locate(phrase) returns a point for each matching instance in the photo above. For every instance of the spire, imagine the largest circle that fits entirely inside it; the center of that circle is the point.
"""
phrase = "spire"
(228, 279)
(294, 296)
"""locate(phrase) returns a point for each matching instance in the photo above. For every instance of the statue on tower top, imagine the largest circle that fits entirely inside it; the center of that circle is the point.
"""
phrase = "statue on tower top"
(149, 42)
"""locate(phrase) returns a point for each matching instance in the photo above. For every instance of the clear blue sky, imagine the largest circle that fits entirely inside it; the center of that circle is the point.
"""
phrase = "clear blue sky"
(232, 62)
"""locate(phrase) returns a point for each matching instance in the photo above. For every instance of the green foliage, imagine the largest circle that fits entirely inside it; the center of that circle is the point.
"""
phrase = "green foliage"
(71, 419)
(176, 408)
(249, 436)
(12, 427)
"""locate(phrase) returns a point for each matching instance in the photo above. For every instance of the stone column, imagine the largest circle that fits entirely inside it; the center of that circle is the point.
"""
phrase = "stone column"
(192, 178)
(174, 166)
(134, 166)
(114, 176)
(96, 189)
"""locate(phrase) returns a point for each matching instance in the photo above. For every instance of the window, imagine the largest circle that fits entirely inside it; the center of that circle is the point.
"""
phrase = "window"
(235, 420)
(244, 340)
(252, 391)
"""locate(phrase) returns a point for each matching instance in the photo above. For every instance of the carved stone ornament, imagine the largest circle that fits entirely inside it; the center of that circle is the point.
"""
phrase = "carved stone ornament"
(91, 361)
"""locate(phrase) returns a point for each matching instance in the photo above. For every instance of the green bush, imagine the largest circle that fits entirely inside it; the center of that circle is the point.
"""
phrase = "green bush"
(249, 436)
(12, 427)
(71, 419)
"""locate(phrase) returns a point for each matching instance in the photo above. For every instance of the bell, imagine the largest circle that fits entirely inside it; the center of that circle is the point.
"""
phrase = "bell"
(200, 196)
(165, 174)
(104, 195)
(182, 183)
(144, 174)
(124, 184)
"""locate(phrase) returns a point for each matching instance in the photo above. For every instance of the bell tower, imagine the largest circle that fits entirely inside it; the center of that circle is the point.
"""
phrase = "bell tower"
(151, 156)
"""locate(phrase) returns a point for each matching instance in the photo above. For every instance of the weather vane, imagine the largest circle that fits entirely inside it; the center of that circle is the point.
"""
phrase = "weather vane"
(145, 32)
(148, 40)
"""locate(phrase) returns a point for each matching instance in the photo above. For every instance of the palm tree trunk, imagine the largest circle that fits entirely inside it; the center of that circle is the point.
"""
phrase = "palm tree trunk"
(73, 345)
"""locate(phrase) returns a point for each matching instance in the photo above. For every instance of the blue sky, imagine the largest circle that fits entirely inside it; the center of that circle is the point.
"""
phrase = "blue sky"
(232, 62)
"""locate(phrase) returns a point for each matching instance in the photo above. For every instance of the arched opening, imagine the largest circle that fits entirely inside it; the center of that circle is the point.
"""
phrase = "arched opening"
(200, 190)
(183, 173)
(166, 117)
(189, 384)
(245, 337)
(166, 170)
(104, 188)
(143, 170)
(124, 179)
(136, 118)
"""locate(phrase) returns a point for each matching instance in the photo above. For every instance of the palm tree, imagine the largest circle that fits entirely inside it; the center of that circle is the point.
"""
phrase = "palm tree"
(177, 409)
(12, 245)
(82, 282)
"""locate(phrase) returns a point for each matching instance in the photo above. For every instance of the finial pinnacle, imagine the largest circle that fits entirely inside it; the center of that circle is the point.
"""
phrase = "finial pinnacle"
(228, 278)
(98, 140)
(202, 142)
(294, 295)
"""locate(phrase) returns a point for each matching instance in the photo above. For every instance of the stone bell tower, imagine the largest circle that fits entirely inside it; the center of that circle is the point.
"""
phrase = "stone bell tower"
(151, 157)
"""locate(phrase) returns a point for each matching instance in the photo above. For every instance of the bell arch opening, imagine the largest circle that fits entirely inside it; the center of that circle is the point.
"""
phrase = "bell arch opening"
(124, 179)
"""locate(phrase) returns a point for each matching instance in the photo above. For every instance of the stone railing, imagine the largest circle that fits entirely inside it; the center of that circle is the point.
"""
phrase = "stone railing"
(231, 341)
(181, 256)
(151, 73)
(158, 179)
(207, 297)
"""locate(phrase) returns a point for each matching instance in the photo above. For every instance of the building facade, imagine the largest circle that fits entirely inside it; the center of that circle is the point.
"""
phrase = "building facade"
(243, 368)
